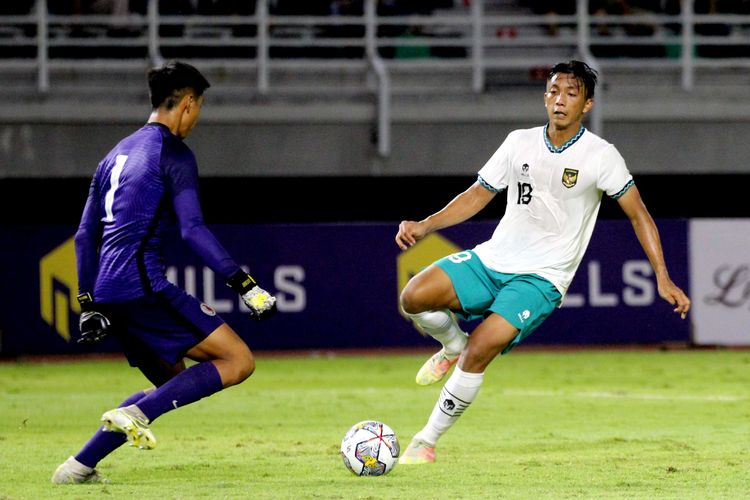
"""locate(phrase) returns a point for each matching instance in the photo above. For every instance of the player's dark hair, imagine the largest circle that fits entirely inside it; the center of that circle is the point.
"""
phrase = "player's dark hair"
(168, 83)
(585, 74)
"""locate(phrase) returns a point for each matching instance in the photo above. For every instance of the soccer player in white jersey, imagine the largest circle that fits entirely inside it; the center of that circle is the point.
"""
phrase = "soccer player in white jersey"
(555, 176)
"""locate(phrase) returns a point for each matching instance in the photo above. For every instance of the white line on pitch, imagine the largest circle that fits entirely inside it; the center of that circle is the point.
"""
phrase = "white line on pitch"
(622, 395)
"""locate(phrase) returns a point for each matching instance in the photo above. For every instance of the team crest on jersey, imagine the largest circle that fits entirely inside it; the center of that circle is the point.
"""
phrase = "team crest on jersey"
(525, 170)
(208, 310)
(570, 177)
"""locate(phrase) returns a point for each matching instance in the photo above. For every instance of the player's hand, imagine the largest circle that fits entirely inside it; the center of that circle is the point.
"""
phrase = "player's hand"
(409, 232)
(675, 296)
(92, 323)
(93, 326)
(261, 303)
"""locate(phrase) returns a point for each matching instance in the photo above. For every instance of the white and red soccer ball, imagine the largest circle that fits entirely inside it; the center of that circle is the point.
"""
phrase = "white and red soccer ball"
(370, 448)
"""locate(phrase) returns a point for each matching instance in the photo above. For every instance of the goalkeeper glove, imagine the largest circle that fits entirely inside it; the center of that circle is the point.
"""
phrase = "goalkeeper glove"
(261, 303)
(93, 324)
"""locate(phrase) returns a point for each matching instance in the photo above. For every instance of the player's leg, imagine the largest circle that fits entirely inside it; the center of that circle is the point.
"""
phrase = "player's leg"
(427, 300)
(127, 422)
(166, 329)
(522, 304)
(228, 353)
(486, 341)
(430, 289)
(103, 443)
(224, 360)
(458, 283)
(81, 467)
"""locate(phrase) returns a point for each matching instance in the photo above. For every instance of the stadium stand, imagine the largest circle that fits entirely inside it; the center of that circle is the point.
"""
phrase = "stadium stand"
(308, 47)
(378, 69)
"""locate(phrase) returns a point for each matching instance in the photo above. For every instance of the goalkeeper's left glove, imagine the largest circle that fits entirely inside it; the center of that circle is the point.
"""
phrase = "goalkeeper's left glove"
(93, 324)
(261, 303)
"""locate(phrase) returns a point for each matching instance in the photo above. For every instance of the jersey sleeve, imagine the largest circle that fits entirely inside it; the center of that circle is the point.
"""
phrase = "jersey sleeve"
(494, 174)
(182, 178)
(87, 240)
(614, 177)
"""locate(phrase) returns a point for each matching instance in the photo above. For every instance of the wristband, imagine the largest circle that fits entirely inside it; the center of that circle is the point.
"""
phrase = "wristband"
(241, 282)
(86, 301)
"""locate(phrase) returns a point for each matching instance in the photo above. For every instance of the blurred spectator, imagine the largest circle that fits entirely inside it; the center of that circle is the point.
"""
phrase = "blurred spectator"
(246, 30)
(405, 31)
(720, 29)
(174, 8)
(551, 9)
(346, 8)
(625, 8)
(28, 31)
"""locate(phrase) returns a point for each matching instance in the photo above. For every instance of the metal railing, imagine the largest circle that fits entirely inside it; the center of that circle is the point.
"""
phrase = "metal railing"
(475, 40)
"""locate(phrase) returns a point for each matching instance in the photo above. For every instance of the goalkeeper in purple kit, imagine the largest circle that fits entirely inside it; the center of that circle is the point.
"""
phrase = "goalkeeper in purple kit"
(142, 189)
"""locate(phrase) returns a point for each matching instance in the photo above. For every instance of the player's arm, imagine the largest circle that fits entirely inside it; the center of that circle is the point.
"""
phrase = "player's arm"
(648, 236)
(203, 242)
(87, 240)
(92, 323)
(462, 207)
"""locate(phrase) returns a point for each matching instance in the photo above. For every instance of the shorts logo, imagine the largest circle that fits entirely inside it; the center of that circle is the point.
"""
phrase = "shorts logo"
(569, 178)
(208, 310)
(523, 316)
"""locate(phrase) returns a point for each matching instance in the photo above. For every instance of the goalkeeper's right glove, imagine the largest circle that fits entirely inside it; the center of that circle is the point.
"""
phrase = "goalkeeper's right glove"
(93, 324)
(261, 303)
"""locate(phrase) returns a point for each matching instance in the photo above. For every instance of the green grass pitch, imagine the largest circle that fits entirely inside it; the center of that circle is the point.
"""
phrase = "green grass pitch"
(586, 424)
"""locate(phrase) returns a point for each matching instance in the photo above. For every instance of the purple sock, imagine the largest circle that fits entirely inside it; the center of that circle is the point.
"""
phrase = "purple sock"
(189, 386)
(103, 443)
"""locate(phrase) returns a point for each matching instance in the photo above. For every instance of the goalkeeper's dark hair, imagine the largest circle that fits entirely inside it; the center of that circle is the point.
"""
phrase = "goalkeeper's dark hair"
(585, 74)
(167, 84)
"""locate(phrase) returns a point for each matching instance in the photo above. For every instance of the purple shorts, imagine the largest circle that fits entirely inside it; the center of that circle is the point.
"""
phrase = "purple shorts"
(163, 325)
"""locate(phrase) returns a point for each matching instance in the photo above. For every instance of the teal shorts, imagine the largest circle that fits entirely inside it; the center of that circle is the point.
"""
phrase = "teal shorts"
(524, 300)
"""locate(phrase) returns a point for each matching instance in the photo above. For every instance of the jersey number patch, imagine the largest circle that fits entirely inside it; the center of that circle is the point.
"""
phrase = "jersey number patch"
(114, 183)
(524, 193)
(459, 257)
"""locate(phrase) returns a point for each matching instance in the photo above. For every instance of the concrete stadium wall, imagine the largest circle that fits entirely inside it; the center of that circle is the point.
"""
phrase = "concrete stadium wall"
(42, 141)
(55, 150)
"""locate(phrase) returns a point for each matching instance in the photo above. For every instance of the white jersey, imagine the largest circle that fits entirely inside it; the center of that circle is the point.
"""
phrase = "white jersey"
(554, 196)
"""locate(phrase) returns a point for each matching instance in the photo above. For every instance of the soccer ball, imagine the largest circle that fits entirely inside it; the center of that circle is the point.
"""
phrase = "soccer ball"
(370, 448)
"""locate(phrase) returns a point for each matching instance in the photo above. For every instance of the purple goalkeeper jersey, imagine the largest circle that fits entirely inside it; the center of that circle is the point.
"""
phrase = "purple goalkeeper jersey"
(144, 188)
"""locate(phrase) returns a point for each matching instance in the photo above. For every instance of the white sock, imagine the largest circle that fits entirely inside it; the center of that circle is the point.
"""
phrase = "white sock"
(136, 412)
(78, 468)
(457, 394)
(442, 326)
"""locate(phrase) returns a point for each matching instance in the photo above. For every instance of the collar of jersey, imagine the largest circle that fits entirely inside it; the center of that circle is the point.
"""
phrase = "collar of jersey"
(553, 149)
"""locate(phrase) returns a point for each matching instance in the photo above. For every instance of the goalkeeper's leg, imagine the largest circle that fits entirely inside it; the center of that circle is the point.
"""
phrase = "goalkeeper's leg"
(224, 360)
(81, 467)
